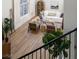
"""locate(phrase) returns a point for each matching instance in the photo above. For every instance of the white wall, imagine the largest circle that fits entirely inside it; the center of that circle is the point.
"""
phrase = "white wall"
(49, 3)
(18, 20)
(70, 15)
(70, 21)
(6, 6)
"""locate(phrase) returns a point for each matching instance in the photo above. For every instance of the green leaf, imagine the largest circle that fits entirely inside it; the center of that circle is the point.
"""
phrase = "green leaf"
(6, 26)
(65, 53)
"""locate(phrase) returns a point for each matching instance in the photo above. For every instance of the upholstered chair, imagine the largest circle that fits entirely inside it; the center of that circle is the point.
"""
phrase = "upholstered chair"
(50, 27)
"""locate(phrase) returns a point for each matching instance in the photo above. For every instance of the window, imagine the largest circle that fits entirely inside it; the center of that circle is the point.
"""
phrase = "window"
(23, 7)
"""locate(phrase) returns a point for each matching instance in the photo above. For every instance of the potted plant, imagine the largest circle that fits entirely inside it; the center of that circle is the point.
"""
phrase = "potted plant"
(58, 46)
(6, 28)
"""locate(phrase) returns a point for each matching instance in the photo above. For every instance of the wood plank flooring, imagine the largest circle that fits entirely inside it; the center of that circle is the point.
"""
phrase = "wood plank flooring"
(23, 41)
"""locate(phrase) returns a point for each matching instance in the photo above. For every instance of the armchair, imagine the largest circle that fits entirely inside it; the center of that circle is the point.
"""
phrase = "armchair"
(50, 27)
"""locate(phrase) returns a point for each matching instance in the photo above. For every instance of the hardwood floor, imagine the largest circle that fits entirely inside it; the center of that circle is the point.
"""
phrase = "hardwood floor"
(23, 41)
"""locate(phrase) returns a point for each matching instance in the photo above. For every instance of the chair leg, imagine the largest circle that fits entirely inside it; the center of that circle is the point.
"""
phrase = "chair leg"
(28, 29)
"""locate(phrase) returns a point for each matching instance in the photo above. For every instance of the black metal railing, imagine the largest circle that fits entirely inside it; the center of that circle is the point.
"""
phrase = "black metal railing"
(41, 53)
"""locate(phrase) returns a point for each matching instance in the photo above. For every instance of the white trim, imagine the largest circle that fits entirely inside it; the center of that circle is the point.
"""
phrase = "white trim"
(21, 17)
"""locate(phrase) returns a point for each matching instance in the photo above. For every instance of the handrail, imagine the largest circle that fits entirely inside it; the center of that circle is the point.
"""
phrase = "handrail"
(49, 43)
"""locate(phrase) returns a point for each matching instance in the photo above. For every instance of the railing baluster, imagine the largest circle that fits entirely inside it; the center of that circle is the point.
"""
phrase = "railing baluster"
(32, 55)
(24, 58)
(75, 45)
(28, 56)
(64, 43)
(36, 54)
(40, 54)
(49, 52)
(44, 54)
(70, 47)
(52, 56)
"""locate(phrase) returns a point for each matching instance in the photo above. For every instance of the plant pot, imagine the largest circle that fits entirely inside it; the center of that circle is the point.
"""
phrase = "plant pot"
(6, 50)
(6, 39)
